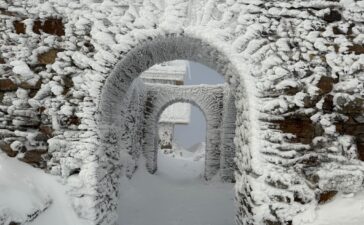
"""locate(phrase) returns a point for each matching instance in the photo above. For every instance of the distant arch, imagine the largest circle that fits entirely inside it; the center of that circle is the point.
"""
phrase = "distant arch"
(208, 98)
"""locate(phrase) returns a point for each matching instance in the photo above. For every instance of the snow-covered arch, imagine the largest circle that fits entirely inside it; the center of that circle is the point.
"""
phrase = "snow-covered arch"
(138, 59)
(208, 98)
(298, 75)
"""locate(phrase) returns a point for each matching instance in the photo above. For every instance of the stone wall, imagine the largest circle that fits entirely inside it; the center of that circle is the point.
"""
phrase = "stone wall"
(295, 69)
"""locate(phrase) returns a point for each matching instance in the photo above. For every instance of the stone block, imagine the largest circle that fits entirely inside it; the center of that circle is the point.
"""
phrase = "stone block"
(52, 26)
(325, 84)
(34, 158)
(48, 57)
(303, 128)
(7, 85)
(19, 27)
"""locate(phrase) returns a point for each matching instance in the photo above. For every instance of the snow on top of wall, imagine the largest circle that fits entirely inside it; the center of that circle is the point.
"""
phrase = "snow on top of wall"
(178, 113)
(173, 70)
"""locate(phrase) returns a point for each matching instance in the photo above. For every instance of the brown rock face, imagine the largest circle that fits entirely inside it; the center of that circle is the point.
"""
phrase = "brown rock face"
(46, 130)
(48, 57)
(328, 105)
(73, 120)
(19, 27)
(325, 84)
(7, 149)
(7, 85)
(333, 16)
(356, 49)
(34, 157)
(326, 196)
(302, 128)
(52, 26)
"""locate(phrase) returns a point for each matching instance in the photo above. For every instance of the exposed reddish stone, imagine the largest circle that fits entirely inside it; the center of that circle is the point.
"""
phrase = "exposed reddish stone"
(50, 26)
(19, 27)
(326, 196)
(353, 129)
(48, 57)
(333, 16)
(34, 157)
(7, 149)
(328, 105)
(356, 49)
(41, 109)
(302, 128)
(28, 86)
(68, 84)
(325, 84)
(73, 120)
(46, 130)
(292, 90)
(7, 85)
(179, 82)
(2, 61)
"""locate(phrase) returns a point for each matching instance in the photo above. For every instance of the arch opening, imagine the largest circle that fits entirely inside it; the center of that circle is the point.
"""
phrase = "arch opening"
(112, 126)
(173, 150)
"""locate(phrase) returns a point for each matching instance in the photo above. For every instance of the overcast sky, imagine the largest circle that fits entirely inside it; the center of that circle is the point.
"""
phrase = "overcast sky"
(195, 132)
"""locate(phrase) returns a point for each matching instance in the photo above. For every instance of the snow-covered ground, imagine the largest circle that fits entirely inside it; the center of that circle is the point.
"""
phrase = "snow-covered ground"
(176, 195)
(26, 191)
(342, 210)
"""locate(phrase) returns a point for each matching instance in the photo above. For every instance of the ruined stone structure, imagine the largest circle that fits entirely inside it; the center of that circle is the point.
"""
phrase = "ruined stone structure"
(294, 69)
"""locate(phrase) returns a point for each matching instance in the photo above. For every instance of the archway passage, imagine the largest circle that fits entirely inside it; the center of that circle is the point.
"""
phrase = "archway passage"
(176, 193)
(115, 131)
(208, 98)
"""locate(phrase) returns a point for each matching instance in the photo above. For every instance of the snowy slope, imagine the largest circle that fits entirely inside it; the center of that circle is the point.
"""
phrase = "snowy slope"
(26, 192)
(343, 210)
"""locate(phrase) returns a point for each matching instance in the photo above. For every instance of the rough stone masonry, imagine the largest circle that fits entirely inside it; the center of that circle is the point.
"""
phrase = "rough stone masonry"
(295, 69)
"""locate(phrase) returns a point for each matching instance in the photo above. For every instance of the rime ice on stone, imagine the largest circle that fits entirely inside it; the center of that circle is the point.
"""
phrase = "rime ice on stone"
(289, 64)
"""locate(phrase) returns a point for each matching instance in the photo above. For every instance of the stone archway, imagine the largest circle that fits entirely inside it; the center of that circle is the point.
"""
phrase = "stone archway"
(209, 99)
(290, 65)
(139, 59)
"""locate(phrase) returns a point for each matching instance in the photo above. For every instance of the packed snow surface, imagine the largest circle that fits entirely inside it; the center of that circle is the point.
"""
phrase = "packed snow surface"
(343, 210)
(176, 194)
(25, 190)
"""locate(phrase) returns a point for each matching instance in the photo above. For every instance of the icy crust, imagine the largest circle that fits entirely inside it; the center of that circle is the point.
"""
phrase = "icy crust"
(271, 47)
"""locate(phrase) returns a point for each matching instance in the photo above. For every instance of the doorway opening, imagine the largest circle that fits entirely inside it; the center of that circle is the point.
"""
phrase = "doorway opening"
(188, 120)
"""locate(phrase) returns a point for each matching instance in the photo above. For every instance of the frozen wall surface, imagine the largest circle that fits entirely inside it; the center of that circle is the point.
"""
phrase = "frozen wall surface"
(294, 70)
